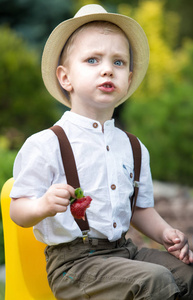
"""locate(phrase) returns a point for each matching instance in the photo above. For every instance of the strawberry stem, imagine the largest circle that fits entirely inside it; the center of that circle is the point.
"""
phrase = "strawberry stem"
(72, 200)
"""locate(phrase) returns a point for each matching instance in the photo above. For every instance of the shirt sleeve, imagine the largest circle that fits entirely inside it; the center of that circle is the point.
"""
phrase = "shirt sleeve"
(145, 194)
(35, 167)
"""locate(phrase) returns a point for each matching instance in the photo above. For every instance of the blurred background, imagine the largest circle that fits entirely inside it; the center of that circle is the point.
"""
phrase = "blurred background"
(160, 112)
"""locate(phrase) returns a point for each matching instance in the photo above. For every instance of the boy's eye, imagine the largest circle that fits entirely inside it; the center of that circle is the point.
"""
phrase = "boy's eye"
(118, 62)
(92, 61)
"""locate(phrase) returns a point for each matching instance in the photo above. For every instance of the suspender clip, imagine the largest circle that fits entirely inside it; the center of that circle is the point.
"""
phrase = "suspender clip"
(85, 237)
(136, 184)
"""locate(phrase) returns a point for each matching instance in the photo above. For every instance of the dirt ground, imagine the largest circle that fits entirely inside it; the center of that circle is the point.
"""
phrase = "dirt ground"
(175, 204)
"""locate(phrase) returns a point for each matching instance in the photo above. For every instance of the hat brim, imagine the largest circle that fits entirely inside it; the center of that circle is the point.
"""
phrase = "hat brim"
(62, 32)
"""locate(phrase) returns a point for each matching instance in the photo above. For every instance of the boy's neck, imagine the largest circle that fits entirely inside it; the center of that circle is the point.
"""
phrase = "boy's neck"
(101, 116)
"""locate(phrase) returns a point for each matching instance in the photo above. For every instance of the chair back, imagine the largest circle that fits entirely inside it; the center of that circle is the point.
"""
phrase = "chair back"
(25, 264)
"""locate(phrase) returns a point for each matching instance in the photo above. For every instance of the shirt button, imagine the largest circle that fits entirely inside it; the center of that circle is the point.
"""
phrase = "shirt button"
(113, 186)
(95, 125)
(107, 147)
(114, 224)
(131, 175)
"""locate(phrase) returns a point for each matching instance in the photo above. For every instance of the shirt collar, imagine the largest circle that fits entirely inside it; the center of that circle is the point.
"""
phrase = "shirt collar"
(86, 122)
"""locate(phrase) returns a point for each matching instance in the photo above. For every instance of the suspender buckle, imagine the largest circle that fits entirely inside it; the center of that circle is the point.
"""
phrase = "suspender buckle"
(136, 184)
(85, 237)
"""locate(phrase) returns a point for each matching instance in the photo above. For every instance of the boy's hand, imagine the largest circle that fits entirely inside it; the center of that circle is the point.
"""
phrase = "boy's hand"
(176, 243)
(55, 200)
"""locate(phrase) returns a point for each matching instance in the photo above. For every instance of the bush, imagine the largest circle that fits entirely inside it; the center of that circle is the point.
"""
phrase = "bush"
(160, 112)
(164, 125)
(6, 162)
(25, 104)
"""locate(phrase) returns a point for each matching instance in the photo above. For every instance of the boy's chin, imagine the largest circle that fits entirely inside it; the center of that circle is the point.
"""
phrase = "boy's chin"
(107, 101)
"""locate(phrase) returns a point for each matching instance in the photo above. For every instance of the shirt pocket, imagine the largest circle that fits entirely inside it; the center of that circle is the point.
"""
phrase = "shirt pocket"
(126, 178)
(128, 172)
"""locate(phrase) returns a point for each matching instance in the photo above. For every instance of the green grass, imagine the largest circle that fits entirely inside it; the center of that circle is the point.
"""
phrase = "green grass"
(2, 291)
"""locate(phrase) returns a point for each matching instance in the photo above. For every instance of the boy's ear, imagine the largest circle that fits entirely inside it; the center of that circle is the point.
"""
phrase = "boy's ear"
(130, 77)
(62, 75)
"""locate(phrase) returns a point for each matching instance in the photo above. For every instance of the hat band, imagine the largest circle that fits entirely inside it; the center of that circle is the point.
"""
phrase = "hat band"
(131, 58)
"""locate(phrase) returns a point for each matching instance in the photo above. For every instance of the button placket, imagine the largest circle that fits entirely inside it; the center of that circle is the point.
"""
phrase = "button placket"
(112, 174)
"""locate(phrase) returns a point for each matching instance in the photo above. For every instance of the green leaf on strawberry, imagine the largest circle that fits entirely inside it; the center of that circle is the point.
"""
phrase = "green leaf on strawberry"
(78, 194)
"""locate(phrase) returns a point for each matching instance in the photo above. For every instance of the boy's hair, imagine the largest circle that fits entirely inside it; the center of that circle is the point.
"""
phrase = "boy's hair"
(104, 26)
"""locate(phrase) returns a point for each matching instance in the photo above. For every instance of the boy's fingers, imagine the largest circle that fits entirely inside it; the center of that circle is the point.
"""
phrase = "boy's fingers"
(188, 258)
(191, 256)
(184, 252)
(179, 239)
(183, 247)
(64, 194)
(66, 187)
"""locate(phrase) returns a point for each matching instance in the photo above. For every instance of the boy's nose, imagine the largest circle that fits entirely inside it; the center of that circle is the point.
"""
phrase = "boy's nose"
(107, 71)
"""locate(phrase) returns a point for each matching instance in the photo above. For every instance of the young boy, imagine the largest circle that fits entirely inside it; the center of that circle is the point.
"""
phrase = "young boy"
(92, 63)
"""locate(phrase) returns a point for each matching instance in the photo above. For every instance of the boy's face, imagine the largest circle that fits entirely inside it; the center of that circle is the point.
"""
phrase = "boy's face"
(97, 73)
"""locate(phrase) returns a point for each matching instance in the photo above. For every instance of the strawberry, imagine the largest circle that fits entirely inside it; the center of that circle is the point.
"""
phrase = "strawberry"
(79, 205)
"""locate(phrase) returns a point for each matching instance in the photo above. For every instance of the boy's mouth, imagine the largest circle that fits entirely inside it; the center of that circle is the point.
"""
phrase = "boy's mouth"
(107, 87)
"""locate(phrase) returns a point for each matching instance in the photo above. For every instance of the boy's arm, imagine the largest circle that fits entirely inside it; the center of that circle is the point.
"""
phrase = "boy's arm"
(28, 212)
(149, 222)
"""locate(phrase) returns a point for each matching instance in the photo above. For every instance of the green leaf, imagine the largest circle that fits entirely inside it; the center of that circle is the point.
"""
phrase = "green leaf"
(79, 193)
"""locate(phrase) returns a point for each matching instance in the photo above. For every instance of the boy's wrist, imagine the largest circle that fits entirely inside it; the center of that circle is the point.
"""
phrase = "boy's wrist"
(41, 209)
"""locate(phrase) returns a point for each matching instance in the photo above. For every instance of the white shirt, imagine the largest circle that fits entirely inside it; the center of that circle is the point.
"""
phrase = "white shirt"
(38, 165)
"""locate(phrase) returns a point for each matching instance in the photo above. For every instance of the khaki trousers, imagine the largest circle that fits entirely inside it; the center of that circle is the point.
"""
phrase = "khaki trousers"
(101, 270)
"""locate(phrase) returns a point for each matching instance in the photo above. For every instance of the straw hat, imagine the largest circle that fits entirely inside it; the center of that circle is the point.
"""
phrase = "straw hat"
(88, 13)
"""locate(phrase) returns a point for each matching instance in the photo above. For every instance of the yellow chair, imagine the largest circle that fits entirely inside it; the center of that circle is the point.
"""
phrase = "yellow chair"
(26, 277)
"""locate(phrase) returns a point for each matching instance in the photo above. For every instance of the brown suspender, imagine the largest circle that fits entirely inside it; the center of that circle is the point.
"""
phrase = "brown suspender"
(71, 170)
(136, 148)
(69, 167)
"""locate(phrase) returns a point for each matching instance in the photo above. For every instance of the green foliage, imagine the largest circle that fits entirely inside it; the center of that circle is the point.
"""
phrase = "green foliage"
(2, 291)
(6, 162)
(25, 105)
(35, 19)
(164, 124)
(2, 258)
(184, 9)
(161, 110)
